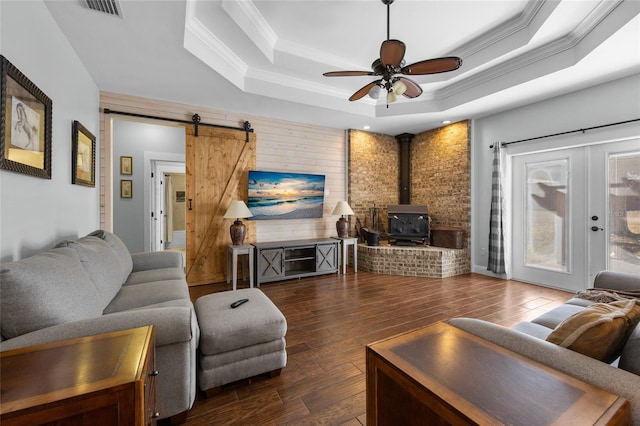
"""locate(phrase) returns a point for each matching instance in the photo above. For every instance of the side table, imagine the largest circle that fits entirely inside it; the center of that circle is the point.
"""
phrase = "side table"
(452, 377)
(345, 243)
(232, 262)
(103, 380)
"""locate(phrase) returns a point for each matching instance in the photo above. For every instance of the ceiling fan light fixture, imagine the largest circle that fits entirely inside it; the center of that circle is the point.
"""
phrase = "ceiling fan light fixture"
(374, 93)
(391, 63)
(391, 97)
(399, 88)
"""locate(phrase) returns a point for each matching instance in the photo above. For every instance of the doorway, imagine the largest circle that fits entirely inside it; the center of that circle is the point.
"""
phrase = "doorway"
(168, 201)
(576, 211)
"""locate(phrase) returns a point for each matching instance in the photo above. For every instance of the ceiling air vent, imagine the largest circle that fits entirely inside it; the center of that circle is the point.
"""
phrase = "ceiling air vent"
(110, 7)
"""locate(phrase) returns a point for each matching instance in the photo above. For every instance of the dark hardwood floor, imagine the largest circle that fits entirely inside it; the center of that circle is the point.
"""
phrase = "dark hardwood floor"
(330, 321)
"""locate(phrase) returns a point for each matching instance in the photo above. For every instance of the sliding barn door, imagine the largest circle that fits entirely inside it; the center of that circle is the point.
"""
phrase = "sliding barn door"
(217, 162)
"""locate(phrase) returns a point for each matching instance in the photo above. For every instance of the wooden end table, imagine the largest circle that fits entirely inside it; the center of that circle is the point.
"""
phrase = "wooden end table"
(107, 379)
(441, 375)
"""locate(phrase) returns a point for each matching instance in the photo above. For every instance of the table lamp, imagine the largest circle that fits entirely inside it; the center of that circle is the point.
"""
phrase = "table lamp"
(342, 226)
(238, 230)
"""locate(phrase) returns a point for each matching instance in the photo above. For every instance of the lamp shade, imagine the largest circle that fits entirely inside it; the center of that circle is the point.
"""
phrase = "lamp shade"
(237, 209)
(342, 208)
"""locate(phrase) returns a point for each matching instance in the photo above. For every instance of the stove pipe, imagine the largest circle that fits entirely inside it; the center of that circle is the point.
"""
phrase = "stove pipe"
(404, 166)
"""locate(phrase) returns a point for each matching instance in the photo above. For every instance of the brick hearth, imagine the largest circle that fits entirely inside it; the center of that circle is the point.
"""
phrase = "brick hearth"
(420, 261)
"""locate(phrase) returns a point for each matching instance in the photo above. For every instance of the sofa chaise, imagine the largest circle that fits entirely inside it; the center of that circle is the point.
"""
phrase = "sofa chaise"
(94, 285)
(620, 377)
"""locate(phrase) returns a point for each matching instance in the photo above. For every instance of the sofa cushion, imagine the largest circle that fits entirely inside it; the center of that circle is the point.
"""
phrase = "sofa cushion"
(146, 294)
(533, 329)
(630, 358)
(126, 264)
(161, 274)
(555, 316)
(101, 263)
(43, 290)
(599, 331)
(577, 301)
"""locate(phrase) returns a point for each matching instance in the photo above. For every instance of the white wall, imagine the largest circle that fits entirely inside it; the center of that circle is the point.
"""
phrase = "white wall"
(612, 102)
(142, 142)
(37, 213)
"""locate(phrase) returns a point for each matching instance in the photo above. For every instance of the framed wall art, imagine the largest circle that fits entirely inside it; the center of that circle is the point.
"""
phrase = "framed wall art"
(25, 124)
(126, 165)
(126, 188)
(83, 156)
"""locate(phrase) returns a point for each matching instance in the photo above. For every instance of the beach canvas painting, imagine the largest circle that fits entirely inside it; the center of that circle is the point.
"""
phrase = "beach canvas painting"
(281, 195)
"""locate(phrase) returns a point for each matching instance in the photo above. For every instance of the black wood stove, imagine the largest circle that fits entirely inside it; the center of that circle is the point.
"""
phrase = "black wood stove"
(408, 224)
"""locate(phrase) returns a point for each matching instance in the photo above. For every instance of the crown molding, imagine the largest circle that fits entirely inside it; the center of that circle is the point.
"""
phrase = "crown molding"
(457, 88)
(569, 42)
(200, 41)
(249, 19)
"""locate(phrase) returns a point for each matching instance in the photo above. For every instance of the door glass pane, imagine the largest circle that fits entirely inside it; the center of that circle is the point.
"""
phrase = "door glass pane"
(624, 212)
(546, 210)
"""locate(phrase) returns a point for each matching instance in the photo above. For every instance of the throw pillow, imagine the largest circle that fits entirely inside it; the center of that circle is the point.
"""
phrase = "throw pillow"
(43, 290)
(599, 331)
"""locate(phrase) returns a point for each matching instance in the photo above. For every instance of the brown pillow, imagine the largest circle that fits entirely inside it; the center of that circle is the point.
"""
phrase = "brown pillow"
(599, 331)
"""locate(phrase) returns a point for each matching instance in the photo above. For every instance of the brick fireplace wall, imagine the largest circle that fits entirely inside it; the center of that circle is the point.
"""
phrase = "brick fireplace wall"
(373, 176)
(440, 175)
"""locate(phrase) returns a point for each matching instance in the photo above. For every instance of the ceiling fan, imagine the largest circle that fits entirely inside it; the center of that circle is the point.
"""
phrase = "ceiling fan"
(390, 64)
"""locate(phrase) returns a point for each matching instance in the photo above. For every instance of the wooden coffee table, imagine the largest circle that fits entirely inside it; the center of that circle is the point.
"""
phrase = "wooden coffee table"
(440, 375)
(107, 379)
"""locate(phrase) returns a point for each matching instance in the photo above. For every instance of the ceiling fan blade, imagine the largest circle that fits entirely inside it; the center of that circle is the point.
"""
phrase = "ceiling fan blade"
(392, 52)
(347, 73)
(432, 66)
(413, 89)
(363, 91)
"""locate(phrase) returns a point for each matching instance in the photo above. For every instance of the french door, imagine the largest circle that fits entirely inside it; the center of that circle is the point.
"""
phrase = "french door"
(576, 211)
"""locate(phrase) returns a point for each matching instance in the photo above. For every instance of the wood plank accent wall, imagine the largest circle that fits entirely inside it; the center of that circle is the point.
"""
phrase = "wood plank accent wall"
(281, 146)
(300, 148)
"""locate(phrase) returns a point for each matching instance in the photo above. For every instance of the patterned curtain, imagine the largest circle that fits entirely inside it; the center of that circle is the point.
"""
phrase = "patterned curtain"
(496, 230)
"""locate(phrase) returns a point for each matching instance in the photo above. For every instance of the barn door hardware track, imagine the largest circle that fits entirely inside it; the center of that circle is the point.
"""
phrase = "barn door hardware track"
(195, 120)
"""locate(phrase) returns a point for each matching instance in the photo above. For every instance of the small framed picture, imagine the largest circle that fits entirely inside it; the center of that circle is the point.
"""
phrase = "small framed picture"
(83, 156)
(126, 165)
(126, 188)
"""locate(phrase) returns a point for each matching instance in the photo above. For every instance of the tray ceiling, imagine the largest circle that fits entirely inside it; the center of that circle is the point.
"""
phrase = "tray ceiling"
(266, 57)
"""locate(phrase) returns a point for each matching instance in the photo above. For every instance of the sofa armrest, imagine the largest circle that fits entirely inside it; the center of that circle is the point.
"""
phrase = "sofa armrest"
(604, 376)
(617, 281)
(156, 260)
(172, 325)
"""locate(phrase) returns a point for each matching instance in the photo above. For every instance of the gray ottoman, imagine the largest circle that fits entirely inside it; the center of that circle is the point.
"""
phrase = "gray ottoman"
(238, 343)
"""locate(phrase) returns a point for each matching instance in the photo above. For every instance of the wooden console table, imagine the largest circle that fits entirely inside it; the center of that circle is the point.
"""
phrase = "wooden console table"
(102, 380)
(441, 375)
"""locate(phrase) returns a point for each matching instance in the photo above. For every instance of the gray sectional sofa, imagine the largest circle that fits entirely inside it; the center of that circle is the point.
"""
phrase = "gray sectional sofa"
(621, 377)
(94, 285)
